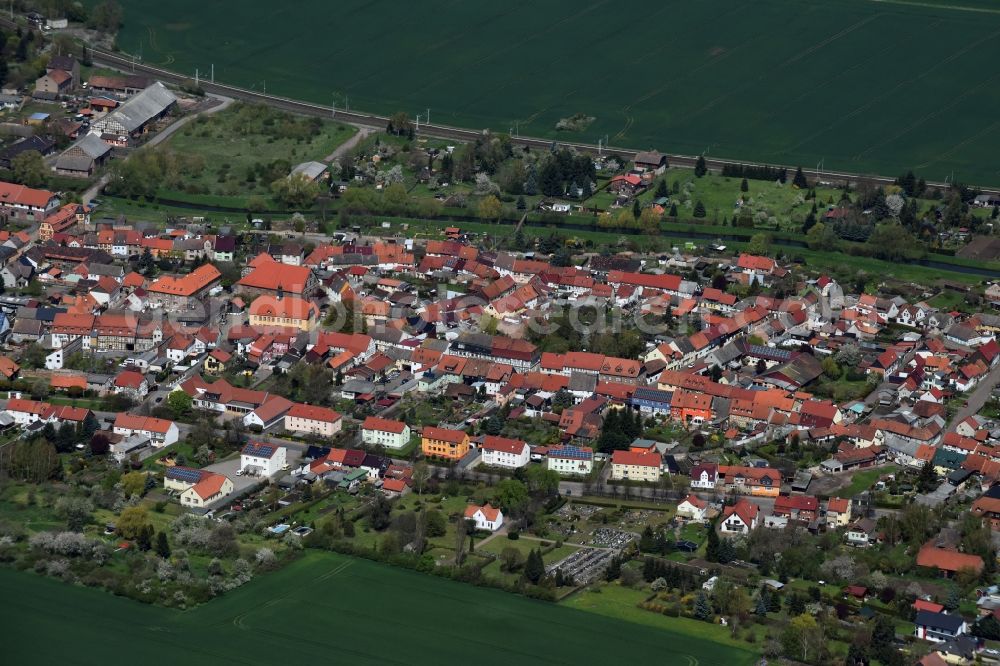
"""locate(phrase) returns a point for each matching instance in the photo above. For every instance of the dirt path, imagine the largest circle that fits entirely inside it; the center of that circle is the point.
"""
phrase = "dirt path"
(360, 136)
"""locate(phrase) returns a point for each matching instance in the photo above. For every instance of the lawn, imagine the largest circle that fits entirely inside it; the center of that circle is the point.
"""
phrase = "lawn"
(789, 81)
(426, 621)
(235, 154)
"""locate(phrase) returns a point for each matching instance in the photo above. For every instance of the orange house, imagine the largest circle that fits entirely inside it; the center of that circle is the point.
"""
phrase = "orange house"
(691, 408)
(444, 443)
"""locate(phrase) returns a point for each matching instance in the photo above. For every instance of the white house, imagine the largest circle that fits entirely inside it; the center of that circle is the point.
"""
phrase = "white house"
(938, 627)
(693, 508)
(391, 434)
(705, 476)
(504, 452)
(132, 384)
(160, 432)
(486, 517)
(262, 459)
(739, 518)
(571, 460)
(26, 412)
(861, 533)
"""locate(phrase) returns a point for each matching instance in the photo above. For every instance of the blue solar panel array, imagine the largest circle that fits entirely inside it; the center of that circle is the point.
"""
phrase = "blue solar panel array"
(185, 474)
(573, 452)
(259, 450)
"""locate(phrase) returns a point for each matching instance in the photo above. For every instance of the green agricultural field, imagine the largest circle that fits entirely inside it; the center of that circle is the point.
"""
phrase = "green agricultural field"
(861, 85)
(382, 615)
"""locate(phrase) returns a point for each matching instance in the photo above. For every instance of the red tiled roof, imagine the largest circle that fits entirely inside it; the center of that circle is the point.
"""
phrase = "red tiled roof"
(136, 422)
(504, 444)
(187, 285)
(636, 458)
(209, 486)
(313, 413)
(8, 368)
(747, 511)
(694, 500)
(491, 513)
(272, 275)
(924, 605)
(383, 425)
(444, 434)
(838, 504)
(947, 560)
(129, 379)
(11, 193)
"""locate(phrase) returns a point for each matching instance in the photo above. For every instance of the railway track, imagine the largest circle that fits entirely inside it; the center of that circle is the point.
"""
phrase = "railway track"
(127, 64)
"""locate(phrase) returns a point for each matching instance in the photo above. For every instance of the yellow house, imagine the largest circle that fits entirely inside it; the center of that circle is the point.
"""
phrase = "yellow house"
(215, 363)
(444, 443)
(284, 311)
(211, 488)
(838, 512)
(635, 466)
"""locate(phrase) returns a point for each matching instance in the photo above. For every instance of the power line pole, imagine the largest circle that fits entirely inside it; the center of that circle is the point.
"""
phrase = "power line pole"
(213, 72)
(427, 118)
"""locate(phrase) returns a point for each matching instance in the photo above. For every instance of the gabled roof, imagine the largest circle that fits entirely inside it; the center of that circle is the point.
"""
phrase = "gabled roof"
(636, 458)
(129, 379)
(695, 501)
(383, 425)
(489, 512)
(186, 285)
(11, 193)
(947, 560)
(943, 621)
(139, 110)
(209, 486)
(503, 444)
(313, 413)
(128, 421)
(444, 434)
(272, 275)
(838, 504)
(260, 449)
(745, 510)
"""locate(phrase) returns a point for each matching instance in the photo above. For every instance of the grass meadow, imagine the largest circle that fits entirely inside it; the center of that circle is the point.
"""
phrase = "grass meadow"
(861, 85)
(332, 608)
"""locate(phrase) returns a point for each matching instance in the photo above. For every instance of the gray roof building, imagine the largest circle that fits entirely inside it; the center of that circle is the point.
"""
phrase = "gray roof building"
(134, 114)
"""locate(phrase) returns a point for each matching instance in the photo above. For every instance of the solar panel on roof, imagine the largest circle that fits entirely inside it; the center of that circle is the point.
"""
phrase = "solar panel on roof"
(573, 452)
(259, 449)
(770, 352)
(185, 474)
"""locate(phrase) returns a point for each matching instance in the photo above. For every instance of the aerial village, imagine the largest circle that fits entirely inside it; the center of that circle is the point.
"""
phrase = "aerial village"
(668, 419)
